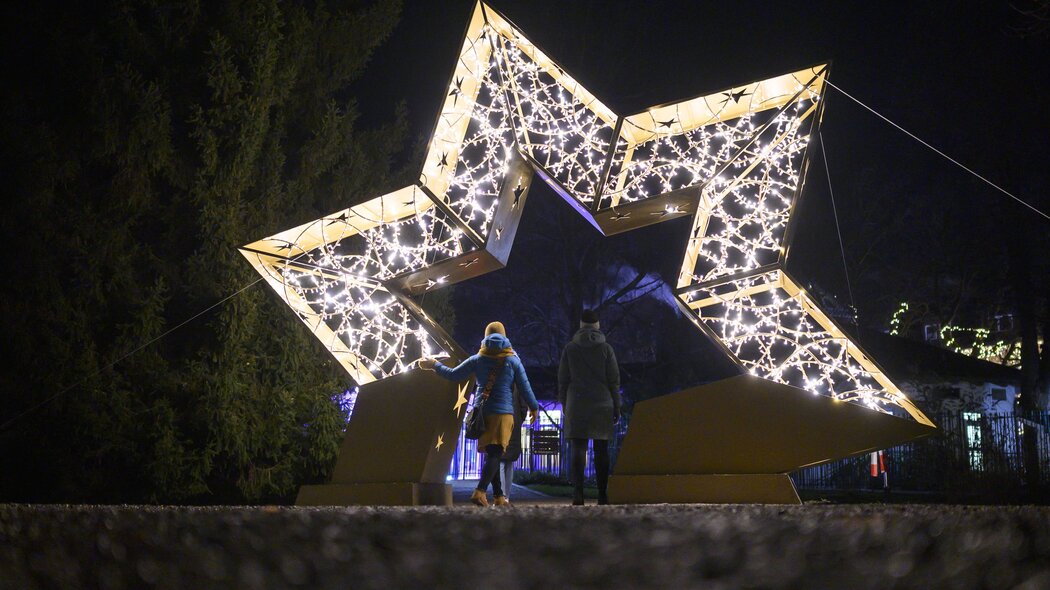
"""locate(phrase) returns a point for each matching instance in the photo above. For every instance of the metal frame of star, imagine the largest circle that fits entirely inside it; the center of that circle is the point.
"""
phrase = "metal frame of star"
(733, 160)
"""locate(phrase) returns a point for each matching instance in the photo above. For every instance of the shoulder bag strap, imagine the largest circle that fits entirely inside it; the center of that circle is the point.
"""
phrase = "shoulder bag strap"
(495, 372)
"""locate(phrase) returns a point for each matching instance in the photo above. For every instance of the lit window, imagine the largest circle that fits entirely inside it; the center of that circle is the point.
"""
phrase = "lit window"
(973, 440)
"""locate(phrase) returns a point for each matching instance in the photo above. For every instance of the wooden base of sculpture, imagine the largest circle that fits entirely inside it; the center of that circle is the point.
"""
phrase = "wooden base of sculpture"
(398, 445)
(735, 441)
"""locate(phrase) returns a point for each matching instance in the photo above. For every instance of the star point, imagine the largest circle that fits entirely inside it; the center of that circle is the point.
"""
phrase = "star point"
(349, 285)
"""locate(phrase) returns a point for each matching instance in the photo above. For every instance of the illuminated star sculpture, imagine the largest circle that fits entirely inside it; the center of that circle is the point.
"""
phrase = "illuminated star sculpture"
(733, 160)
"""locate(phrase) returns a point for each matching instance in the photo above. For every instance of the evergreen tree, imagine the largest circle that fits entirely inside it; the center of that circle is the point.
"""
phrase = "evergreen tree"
(147, 140)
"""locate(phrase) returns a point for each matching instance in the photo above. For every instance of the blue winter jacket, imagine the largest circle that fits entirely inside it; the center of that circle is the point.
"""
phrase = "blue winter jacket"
(501, 400)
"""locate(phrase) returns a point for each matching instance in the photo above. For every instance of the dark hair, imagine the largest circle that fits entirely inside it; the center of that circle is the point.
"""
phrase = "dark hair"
(589, 316)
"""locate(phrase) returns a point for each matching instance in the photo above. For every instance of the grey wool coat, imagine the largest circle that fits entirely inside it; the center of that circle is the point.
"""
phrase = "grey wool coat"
(589, 386)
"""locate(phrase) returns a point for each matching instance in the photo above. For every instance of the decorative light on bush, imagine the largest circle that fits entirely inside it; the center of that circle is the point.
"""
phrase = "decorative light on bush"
(895, 321)
(733, 160)
(977, 342)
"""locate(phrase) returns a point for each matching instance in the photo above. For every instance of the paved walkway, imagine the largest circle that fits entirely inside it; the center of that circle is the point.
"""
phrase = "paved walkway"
(519, 495)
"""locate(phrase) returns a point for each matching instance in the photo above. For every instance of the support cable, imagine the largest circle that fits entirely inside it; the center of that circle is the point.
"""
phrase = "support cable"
(838, 231)
(942, 154)
(114, 363)
(551, 420)
(842, 248)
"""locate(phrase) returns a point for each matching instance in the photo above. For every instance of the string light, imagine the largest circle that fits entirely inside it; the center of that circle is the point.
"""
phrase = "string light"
(561, 126)
(775, 335)
(898, 317)
(739, 152)
(976, 342)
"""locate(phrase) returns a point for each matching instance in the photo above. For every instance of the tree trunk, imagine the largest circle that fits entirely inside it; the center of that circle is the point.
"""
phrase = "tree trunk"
(1043, 381)
(1024, 297)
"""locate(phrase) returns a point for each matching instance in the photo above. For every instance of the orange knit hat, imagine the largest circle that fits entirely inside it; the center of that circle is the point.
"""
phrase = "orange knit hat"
(495, 328)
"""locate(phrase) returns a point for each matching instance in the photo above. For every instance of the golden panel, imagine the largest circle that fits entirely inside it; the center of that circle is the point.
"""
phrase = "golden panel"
(748, 425)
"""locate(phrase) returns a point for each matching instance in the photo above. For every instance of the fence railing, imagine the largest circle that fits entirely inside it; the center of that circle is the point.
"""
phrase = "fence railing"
(972, 453)
(466, 463)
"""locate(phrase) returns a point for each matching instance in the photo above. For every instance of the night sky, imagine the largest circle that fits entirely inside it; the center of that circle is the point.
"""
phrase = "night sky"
(958, 75)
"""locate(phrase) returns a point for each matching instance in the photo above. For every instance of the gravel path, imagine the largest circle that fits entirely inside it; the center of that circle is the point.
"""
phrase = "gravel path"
(553, 546)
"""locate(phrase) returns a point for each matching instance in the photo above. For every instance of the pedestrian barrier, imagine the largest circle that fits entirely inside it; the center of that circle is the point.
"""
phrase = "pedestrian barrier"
(543, 449)
(974, 454)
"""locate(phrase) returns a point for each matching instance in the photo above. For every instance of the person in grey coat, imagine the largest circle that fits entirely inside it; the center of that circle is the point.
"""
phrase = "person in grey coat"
(589, 391)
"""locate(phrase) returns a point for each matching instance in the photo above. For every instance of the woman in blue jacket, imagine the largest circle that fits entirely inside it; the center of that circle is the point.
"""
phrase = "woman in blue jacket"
(497, 355)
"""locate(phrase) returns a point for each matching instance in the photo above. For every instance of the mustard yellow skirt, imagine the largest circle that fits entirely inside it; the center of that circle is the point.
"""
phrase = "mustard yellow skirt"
(498, 430)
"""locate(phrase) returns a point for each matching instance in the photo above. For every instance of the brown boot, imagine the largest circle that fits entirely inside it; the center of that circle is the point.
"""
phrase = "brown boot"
(479, 498)
(502, 501)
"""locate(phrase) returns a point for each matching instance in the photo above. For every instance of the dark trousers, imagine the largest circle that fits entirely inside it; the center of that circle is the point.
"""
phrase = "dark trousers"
(490, 471)
(601, 463)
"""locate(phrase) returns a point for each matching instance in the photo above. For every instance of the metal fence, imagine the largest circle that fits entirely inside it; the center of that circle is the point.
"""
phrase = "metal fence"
(974, 453)
(466, 463)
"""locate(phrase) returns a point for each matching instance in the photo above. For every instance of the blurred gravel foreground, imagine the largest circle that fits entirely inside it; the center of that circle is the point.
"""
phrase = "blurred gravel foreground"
(553, 546)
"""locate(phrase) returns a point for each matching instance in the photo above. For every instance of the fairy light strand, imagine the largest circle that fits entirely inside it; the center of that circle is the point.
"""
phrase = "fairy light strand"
(505, 96)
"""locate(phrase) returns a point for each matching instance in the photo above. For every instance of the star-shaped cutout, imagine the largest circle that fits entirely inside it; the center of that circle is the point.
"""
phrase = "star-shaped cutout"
(343, 217)
(457, 89)
(431, 283)
(470, 262)
(518, 190)
(735, 96)
(461, 398)
(619, 215)
(440, 441)
(444, 160)
(667, 123)
(669, 210)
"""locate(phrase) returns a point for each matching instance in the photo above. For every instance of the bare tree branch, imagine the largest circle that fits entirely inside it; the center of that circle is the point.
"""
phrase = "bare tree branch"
(623, 291)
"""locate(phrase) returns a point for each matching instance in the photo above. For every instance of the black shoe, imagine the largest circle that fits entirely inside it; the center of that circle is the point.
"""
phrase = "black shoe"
(603, 498)
(577, 497)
